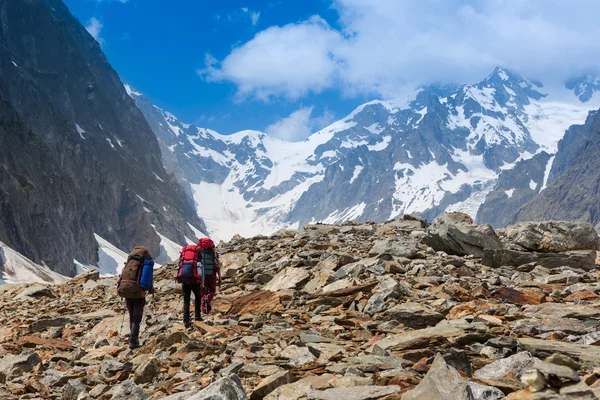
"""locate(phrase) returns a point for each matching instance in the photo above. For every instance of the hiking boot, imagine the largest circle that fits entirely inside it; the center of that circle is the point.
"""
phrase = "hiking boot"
(134, 342)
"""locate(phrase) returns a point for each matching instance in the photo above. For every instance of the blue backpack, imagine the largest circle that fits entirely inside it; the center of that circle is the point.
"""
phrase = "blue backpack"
(147, 278)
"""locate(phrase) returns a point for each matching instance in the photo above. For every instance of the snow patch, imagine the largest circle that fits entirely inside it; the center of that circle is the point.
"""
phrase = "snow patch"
(80, 130)
(532, 184)
(509, 193)
(16, 268)
(381, 145)
(357, 170)
(110, 143)
(547, 173)
(110, 258)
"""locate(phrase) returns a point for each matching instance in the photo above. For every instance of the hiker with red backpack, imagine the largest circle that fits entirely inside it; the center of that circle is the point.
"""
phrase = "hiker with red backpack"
(191, 282)
(197, 267)
(211, 268)
(136, 279)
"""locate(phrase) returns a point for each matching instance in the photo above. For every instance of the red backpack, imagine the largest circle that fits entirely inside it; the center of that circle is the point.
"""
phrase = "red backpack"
(188, 265)
(206, 243)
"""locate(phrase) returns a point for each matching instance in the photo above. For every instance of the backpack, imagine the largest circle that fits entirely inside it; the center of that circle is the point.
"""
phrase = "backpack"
(207, 256)
(188, 265)
(147, 276)
(129, 282)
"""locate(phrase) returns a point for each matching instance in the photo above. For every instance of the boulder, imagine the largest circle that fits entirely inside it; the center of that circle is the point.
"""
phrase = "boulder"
(25, 362)
(553, 236)
(582, 259)
(129, 391)
(459, 237)
(413, 315)
(398, 248)
(484, 392)
(147, 371)
(289, 278)
(35, 292)
(516, 364)
(73, 389)
(354, 393)
(228, 388)
(232, 263)
(271, 383)
(441, 382)
(386, 289)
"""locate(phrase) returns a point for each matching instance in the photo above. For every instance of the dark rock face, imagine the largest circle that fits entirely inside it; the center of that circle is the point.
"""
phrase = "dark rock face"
(515, 187)
(76, 155)
(582, 259)
(573, 193)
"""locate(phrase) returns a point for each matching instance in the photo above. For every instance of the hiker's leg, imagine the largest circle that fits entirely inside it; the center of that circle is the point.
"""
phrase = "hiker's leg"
(211, 288)
(187, 292)
(136, 320)
(129, 304)
(197, 302)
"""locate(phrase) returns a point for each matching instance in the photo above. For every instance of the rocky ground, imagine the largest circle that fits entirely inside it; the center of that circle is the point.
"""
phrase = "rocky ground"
(396, 310)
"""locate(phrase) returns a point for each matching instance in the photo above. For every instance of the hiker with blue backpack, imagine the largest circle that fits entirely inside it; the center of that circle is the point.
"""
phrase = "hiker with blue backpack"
(137, 279)
(198, 265)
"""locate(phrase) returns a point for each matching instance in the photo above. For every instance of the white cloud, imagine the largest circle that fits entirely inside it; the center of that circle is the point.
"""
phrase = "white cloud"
(244, 9)
(298, 125)
(254, 16)
(291, 60)
(383, 45)
(94, 27)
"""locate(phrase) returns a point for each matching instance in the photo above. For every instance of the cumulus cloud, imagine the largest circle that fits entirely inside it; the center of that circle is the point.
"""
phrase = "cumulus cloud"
(94, 27)
(299, 125)
(385, 45)
(291, 60)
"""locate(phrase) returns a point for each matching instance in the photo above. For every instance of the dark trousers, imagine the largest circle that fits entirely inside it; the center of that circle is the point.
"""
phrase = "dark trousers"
(187, 290)
(210, 289)
(136, 312)
(136, 309)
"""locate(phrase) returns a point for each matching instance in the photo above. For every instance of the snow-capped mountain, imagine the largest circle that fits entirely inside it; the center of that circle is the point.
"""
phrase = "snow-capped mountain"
(438, 147)
(585, 88)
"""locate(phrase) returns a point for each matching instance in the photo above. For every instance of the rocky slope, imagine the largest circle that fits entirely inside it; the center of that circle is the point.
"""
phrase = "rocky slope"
(77, 157)
(354, 311)
(437, 148)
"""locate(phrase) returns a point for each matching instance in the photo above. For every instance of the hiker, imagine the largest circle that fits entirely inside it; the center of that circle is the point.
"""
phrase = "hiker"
(191, 282)
(136, 279)
(211, 272)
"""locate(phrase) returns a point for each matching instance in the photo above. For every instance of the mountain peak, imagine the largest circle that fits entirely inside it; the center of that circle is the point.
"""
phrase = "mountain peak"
(584, 86)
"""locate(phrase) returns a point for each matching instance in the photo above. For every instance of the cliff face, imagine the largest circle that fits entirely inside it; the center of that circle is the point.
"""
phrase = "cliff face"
(76, 155)
(575, 179)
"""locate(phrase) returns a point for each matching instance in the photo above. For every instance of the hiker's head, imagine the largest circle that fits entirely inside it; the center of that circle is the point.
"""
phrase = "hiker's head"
(206, 243)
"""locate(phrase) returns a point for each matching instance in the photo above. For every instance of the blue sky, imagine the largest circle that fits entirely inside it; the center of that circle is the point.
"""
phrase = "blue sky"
(159, 49)
(290, 67)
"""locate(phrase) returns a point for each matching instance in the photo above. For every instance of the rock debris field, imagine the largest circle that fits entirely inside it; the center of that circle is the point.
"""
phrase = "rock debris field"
(395, 310)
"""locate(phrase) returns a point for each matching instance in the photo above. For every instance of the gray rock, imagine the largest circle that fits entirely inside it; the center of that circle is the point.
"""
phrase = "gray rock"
(73, 389)
(483, 392)
(461, 240)
(354, 393)
(413, 315)
(25, 362)
(228, 388)
(46, 323)
(398, 248)
(517, 364)
(35, 292)
(560, 371)
(583, 259)
(386, 289)
(297, 355)
(111, 367)
(553, 236)
(128, 390)
(53, 377)
(441, 382)
(289, 278)
(271, 383)
(146, 372)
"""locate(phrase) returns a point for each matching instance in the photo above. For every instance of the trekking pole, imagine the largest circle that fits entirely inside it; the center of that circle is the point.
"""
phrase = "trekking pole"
(122, 321)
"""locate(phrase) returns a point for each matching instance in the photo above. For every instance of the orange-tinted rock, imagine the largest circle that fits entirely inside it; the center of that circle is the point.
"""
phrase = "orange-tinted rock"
(262, 301)
(519, 296)
(32, 341)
